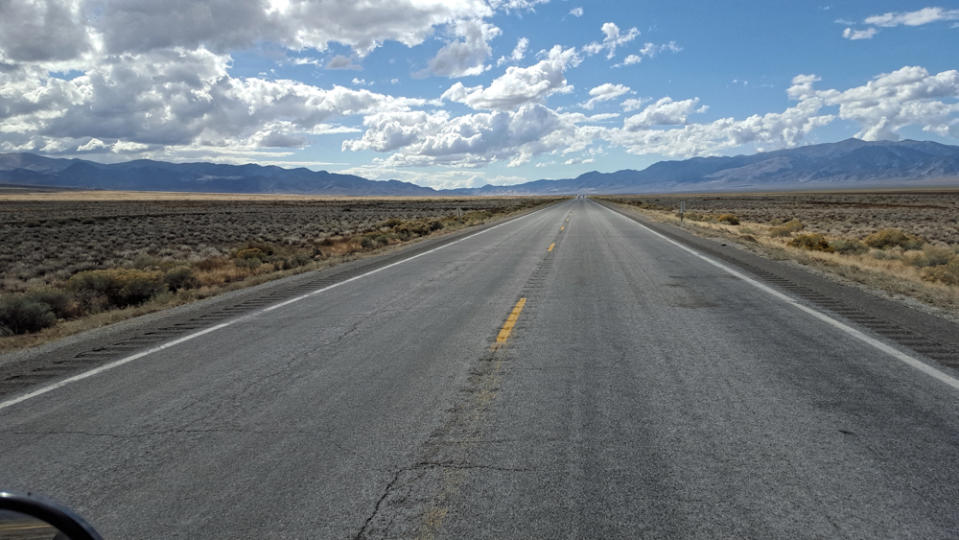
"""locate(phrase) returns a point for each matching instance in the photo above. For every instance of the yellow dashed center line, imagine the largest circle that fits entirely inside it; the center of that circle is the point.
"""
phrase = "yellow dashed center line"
(562, 228)
(551, 246)
(510, 323)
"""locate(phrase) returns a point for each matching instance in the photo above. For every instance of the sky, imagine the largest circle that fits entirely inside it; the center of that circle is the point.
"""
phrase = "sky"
(463, 93)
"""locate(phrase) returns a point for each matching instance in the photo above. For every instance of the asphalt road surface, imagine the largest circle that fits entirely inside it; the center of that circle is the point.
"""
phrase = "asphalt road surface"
(568, 373)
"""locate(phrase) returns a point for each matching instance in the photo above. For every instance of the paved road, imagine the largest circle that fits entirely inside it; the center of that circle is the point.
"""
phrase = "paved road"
(611, 386)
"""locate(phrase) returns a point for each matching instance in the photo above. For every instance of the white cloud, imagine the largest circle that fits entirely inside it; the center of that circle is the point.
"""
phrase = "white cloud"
(914, 18)
(515, 5)
(650, 50)
(613, 39)
(605, 92)
(802, 86)
(421, 139)
(50, 30)
(633, 104)
(576, 12)
(93, 145)
(519, 85)
(468, 53)
(854, 35)
(519, 52)
(41, 30)
(340, 61)
(126, 147)
(169, 99)
(909, 96)
(663, 112)
(773, 129)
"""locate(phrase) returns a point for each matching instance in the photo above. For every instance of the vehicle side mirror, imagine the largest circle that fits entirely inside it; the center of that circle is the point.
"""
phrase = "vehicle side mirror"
(31, 517)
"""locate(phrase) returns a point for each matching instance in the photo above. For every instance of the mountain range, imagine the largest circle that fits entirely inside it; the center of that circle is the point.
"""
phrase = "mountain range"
(852, 163)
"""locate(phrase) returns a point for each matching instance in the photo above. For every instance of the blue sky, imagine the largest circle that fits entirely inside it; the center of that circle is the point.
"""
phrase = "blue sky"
(467, 92)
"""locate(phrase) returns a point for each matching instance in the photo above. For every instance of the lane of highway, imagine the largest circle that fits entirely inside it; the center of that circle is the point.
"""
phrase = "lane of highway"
(566, 374)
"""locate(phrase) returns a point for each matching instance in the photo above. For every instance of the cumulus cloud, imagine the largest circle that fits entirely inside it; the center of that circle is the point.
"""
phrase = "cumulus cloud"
(520, 128)
(42, 30)
(914, 18)
(773, 129)
(605, 92)
(515, 5)
(633, 104)
(172, 98)
(519, 52)
(220, 25)
(650, 50)
(663, 112)
(867, 33)
(613, 39)
(467, 54)
(468, 140)
(576, 12)
(519, 85)
(93, 145)
(909, 96)
(340, 61)
(890, 19)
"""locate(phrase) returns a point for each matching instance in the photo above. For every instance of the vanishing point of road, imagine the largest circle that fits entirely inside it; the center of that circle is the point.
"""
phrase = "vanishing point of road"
(568, 373)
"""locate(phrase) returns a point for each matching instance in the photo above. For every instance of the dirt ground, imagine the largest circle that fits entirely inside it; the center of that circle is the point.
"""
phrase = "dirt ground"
(51, 236)
(933, 215)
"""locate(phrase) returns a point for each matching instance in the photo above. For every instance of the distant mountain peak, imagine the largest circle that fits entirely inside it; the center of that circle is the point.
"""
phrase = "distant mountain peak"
(848, 163)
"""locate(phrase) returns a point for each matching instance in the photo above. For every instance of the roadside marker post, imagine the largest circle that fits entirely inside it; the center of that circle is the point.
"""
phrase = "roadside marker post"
(682, 211)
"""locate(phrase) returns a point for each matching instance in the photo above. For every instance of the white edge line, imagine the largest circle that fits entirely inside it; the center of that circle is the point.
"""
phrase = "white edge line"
(127, 359)
(891, 351)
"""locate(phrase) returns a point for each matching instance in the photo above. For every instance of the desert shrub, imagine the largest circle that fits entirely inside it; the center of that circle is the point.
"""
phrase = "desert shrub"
(21, 315)
(812, 242)
(212, 263)
(392, 222)
(888, 238)
(300, 259)
(946, 273)
(116, 287)
(250, 253)
(849, 246)
(181, 277)
(59, 302)
(144, 261)
(931, 255)
(729, 219)
(248, 263)
(436, 225)
(787, 228)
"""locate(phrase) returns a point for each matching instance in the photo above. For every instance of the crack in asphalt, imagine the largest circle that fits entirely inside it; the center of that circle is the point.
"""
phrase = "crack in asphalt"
(427, 465)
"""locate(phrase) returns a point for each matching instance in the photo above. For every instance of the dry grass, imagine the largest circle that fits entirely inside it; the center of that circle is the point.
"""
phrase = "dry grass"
(179, 250)
(175, 196)
(902, 242)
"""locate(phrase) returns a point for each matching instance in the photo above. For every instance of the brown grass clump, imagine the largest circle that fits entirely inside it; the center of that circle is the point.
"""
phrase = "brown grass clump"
(947, 273)
(729, 219)
(889, 238)
(811, 242)
(786, 229)
(930, 255)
